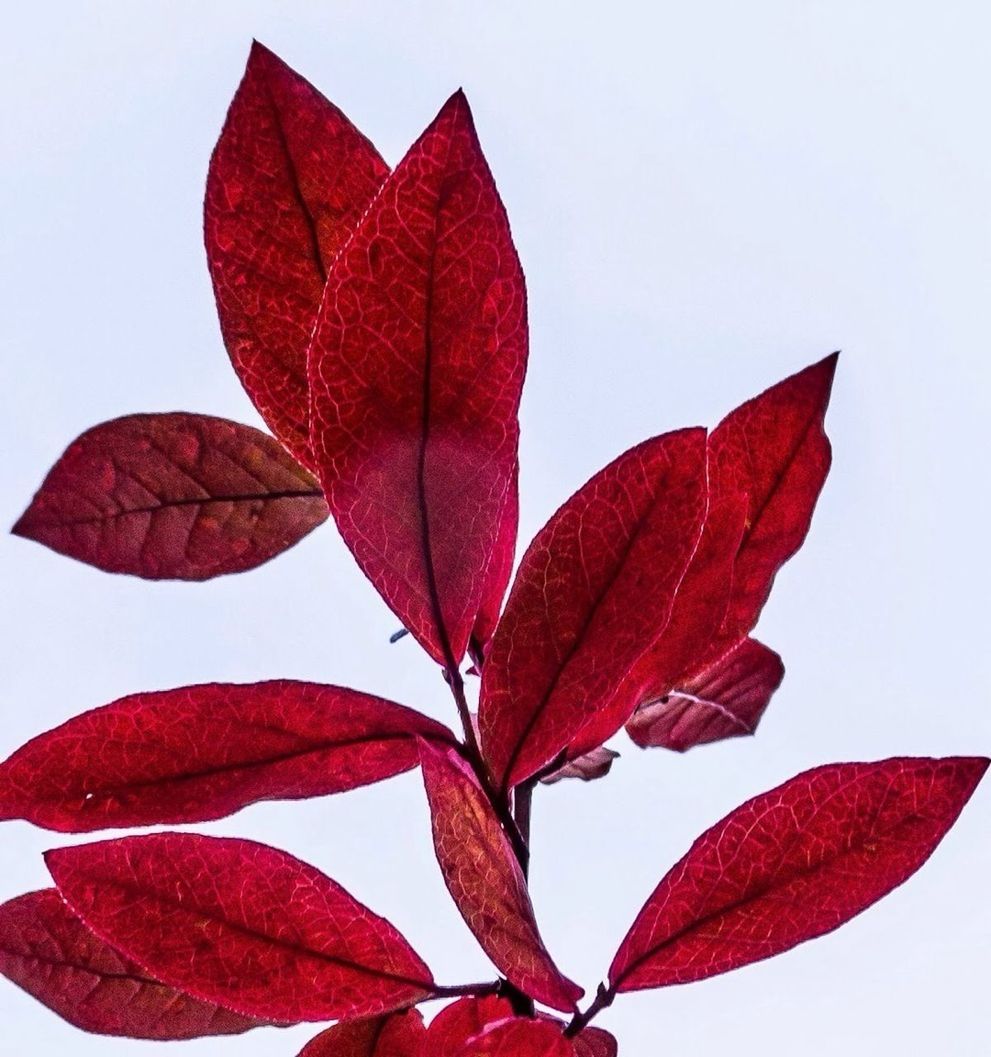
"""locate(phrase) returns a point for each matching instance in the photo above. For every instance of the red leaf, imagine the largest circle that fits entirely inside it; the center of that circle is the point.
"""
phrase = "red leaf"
(289, 179)
(416, 369)
(793, 864)
(725, 699)
(173, 496)
(498, 574)
(774, 449)
(394, 1035)
(595, 1042)
(519, 1037)
(455, 1024)
(484, 879)
(48, 952)
(594, 764)
(203, 752)
(594, 590)
(240, 924)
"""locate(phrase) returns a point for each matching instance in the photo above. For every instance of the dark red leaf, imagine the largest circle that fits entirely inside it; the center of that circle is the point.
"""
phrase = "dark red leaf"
(594, 590)
(793, 864)
(725, 699)
(416, 369)
(498, 574)
(174, 497)
(774, 450)
(203, 752)
(595, 1042)
(484, 878)
(46, 950)
(289, 179)
(519, 1037)
(596, 763)
(455, 1024)
(240, 924)
(394, 1035)
(696, 616)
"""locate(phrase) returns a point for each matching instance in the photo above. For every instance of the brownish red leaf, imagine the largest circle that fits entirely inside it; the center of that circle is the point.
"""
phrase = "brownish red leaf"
(594, 590)
(46, 950)
(289, 179)
(240, 924)
(203, 752)
(485, 880)
(724, 699)
(174, 496)
(393, 1035)
(416, 369)
(596, 763)
(792, 864)
(774, 450)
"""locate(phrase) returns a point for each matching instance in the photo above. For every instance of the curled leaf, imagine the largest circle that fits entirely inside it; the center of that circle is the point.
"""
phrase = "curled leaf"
(203, 752)
(240, 924)
(587, 768)
(793, 864)
(46, 950)
(289, 179)
(173, 497)
(416, 368)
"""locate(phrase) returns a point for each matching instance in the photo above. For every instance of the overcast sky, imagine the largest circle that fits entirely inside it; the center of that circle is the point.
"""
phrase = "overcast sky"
(706, 197)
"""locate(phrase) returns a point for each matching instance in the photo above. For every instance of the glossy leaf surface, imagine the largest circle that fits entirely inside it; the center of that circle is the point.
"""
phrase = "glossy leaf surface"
(416, 369)
(594, 590)
(792, 864)
(455, 1024)
(484, 878)
(393, 1035)
(774, 450)
(289, 179)
(240, 924)
(46, 950)
(203, 752)
(173, 496)
(725, 699)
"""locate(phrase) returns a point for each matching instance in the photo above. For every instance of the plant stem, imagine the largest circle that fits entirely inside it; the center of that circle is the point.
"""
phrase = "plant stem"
(522, 810)
(490, 987)
(603, 998)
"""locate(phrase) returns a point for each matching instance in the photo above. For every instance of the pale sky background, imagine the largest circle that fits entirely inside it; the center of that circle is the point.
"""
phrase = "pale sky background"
(706, 197)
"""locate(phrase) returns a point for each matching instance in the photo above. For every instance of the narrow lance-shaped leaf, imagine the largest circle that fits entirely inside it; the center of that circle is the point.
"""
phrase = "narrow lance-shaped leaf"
(773, 449)
(46, 950)
(485, 880)
(240, 924)
(289, 179)
(594, 590)
(203, 752)
(174, 496)
(393, 1035)
(416, 369)
(724, 699)
(793, 864)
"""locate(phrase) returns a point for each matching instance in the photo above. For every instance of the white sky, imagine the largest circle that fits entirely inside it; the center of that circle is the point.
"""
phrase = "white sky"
(706, 197)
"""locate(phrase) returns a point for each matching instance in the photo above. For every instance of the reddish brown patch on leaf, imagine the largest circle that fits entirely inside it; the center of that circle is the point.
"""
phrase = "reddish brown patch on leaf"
(289, 180)
(46, 950)
(203, 752)
(416, 369)
(174, 497)
(240, 924)
(594, 764)
(793, 864)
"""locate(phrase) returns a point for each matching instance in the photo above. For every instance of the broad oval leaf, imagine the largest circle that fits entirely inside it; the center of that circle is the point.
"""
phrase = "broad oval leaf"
(594, 590)
(289, 179)
(416, 369)
(393, 1035)
(462, 1020)
(519, 1037)
(595, 1042)
(724, 699)
(792, 864)
(241, 924)
(46, 950)
(174, 496)
(485, 880)
(203, 752)
(773, 449)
